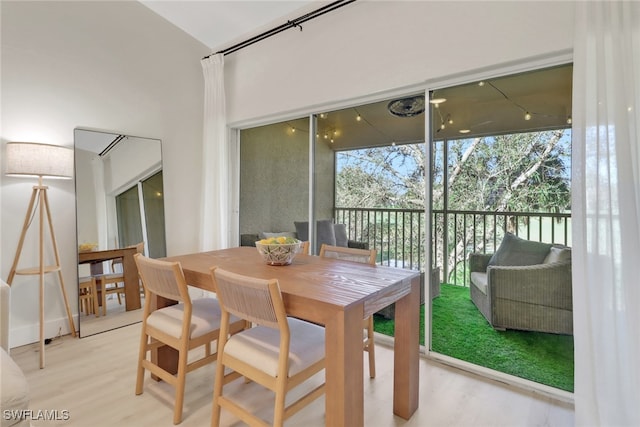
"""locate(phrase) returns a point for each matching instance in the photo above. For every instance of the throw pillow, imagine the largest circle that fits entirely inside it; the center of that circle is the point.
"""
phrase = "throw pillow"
(302, 228)
(516, 251)
(325, 233)
(558, 255)
(340, 231)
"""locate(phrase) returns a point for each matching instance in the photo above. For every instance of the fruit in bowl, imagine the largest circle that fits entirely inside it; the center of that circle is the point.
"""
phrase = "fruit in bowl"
(279, 250)
(87, 247)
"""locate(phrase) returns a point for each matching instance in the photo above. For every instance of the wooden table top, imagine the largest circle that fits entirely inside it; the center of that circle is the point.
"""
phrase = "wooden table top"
(332, 281)
(104, 255)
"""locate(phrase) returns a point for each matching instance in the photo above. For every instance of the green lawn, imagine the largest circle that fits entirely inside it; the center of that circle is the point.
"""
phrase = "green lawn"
(460, 331)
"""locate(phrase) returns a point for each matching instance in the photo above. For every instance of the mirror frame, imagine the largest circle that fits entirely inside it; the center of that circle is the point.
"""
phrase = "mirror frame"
(123, 166)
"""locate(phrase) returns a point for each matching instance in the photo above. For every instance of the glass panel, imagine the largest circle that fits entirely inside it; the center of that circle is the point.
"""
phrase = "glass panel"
(274, 178)
(327, 133)
(129, 219)
(153, 196)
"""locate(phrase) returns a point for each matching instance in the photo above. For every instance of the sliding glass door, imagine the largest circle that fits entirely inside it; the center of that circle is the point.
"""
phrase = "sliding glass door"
(140, 216)
(500, 172)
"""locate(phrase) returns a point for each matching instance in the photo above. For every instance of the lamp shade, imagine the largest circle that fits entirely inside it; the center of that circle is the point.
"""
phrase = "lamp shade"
(42, 160)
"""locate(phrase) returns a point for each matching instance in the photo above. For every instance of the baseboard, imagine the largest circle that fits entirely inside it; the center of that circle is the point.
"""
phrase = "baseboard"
(30, 334)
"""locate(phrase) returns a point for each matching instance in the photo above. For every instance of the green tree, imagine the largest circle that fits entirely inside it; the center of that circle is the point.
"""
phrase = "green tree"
(523, 172)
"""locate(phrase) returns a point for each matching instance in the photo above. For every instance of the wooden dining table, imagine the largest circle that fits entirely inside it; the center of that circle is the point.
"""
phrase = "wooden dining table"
(129, 269)
(337, 294)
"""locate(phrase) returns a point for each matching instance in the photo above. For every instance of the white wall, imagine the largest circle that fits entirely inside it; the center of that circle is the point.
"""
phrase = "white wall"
(368, 47)
(113, 66)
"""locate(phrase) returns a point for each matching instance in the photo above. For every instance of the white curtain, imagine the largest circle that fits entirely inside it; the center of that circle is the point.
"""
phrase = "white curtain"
(606, 211)
(214, 220)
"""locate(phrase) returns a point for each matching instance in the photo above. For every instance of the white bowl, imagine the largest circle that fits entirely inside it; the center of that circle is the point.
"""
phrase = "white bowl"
(279, 253)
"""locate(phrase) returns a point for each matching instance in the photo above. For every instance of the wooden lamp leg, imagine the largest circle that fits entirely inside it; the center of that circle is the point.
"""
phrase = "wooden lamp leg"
(25, 227)
(72, 326)
(40, 192)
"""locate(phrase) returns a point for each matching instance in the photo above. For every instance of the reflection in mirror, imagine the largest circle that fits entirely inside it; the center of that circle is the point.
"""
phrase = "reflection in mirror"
(120, 212)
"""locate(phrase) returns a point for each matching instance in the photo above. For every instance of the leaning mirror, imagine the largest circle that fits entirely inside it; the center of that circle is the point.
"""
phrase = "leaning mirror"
(120, 212)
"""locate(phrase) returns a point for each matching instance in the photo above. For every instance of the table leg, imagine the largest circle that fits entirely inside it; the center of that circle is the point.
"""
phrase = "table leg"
(406, 376)
(131, 282)
(344, 366)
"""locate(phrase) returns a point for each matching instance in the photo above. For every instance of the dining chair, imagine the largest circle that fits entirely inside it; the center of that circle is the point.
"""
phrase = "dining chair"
(365, 256)
(113, 283)
(88, 296)
(184, 326)
(279, 353)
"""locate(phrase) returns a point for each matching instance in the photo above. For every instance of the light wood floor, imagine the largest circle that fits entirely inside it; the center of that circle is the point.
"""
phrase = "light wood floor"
(94, 379)
(116, 317)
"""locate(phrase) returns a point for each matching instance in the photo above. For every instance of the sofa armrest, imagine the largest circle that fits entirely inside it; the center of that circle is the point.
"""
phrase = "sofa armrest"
(357, 245)
(546, 285)
(248, 239)
(478, 262)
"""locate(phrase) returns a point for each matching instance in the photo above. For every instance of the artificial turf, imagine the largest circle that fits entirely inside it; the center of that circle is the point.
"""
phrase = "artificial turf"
(459, 330)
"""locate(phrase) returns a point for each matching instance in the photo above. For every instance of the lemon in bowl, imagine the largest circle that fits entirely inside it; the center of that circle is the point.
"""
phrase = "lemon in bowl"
(279, 250)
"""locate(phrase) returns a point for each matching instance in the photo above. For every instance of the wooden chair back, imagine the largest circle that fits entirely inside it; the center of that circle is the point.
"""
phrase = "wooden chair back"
(256, 300)
(365, 256)
(162, 278)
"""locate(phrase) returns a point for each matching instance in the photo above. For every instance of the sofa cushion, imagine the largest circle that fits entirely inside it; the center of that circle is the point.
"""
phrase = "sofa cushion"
(558, 255)
(516, 251)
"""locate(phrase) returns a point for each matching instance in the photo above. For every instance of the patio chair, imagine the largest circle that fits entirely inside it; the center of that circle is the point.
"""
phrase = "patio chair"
(525, 285)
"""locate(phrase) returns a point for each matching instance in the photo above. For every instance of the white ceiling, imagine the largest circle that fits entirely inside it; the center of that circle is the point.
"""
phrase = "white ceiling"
(221, 24)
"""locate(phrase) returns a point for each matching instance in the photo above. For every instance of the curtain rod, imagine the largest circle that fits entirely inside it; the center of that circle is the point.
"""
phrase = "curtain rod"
(289, 24)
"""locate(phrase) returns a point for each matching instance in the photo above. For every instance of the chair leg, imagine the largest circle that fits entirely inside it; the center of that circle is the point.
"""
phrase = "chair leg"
(94, 301)
(142, 354)
(181, 376)
(217, 385)
(281, 394)
(104, 300)
(217, 392)
(371, 349)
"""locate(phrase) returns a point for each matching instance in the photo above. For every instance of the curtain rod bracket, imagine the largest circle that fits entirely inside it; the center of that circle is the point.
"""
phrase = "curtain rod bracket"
(294, 24)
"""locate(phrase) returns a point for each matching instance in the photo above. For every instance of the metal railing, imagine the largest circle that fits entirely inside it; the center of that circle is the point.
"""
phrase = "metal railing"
(399, 235)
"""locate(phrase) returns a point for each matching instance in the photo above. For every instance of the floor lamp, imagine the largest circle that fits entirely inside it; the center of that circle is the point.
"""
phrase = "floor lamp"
(41, 161)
